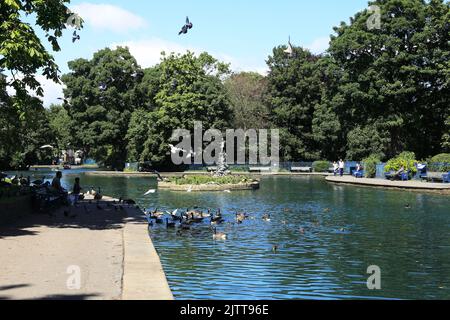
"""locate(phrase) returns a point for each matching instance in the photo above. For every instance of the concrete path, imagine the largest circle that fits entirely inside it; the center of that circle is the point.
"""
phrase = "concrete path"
(81, 256)
(406, 185)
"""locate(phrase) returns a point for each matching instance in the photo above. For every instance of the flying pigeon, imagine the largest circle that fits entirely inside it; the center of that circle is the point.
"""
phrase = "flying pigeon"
(75, 37)
(290, 50)
(175, 150)
(186, 27)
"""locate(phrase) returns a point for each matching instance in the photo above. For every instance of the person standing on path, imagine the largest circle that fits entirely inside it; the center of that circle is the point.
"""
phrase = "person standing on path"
(341, 167)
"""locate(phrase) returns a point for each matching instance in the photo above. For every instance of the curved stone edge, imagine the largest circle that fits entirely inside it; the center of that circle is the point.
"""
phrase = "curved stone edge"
(209, 187)
(143, 276)
(387, 184)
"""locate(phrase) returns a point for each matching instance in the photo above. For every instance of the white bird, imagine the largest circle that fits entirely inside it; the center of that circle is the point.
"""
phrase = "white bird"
(47, 146)
(227, 191)
(149, 192)
(190, 189)
(175, 150)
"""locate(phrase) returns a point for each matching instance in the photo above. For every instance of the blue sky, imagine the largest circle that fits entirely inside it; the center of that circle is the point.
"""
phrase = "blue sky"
(240, 32)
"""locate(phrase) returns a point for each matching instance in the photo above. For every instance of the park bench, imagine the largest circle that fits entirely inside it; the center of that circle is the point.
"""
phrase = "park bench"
(359, 174)
(446, 177)
(435, 177)
(403, 176)
(301, 169)
(45, 201)
(259, 169)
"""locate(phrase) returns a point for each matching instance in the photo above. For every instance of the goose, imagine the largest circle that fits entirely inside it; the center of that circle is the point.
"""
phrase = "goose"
(155, 215)
(174, 215)
(217, 219)
(149, 219)
(169, 224)
(185, 226)
(275, 248)
(219, 235)
(408, 206)
(240, 218)
(266, 217)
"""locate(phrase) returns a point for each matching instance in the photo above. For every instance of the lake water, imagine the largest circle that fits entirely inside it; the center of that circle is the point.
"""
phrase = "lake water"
(346, 229)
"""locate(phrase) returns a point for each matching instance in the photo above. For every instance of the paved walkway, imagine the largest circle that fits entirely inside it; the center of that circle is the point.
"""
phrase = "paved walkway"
(41, 256)
(407, 185)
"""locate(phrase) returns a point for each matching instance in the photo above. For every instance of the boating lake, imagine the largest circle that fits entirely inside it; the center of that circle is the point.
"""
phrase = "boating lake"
(346, 230)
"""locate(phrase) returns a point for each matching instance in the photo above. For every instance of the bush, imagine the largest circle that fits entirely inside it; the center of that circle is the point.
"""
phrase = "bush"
(204, 179)
(441, 158)
(439, 163)
(370, 166)
(321, 166)
(405, 159)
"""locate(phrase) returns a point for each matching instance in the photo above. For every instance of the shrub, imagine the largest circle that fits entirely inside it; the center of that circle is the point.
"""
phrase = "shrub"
(321, 166)
(405, 159)
(370, 166)
(440, 163)
(441, 158)
(204, 179)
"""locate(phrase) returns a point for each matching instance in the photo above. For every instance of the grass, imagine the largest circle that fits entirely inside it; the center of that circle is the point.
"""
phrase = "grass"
(203, 179)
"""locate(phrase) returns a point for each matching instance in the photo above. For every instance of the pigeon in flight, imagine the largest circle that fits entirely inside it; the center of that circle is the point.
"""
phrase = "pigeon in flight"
(75, 37)
(186, 27)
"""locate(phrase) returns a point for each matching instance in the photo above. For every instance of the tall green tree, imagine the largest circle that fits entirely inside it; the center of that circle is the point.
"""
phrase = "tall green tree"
(247, 95)
(60, 124)
(190, 89)
(101, 94)
(294, 89)
(394, 86)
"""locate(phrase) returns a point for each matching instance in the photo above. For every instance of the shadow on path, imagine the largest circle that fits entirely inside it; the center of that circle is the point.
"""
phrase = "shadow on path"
(87, 215)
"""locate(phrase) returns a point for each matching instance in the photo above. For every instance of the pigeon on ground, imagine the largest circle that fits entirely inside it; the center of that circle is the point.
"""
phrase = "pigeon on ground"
(75, 37)
(186, 27)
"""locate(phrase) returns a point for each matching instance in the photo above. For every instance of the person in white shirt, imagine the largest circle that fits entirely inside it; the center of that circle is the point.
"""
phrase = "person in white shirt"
(341, 167)
(335, 168)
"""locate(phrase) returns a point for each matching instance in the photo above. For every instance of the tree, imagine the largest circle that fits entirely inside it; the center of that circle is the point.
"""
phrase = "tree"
(60, 122)
(21, 51)
(294, 89)
(246, 92)
(100, 96)
(394, 85)
(190, 89)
